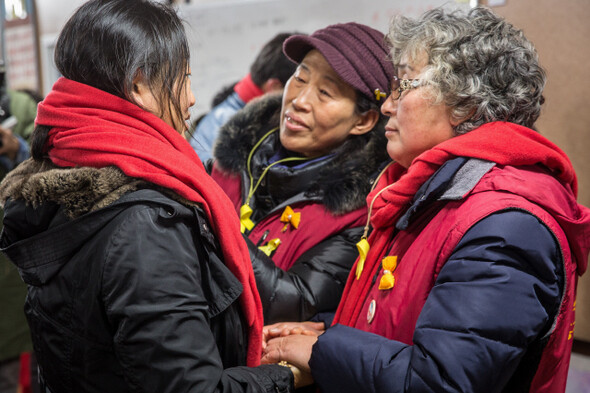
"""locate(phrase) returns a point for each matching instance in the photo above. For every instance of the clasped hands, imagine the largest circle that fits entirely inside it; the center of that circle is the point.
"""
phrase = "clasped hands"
(291, 342)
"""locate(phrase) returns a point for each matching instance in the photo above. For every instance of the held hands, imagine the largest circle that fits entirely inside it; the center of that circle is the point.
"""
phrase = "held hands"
(283, 329)
(291, 343)
(300, 378)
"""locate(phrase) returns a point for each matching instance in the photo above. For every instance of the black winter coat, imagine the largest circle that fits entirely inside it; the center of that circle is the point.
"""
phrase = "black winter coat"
(129, 297)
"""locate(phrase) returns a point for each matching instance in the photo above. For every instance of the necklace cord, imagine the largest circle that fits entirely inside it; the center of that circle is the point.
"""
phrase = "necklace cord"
(252, 189)
(374, 198)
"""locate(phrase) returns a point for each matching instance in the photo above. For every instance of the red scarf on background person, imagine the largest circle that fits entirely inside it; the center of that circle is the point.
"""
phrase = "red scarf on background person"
(499, 142)
(96, 129)
(247, 90)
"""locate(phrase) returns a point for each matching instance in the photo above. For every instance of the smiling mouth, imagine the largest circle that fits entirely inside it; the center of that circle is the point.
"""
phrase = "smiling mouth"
(291, 120)
(294, 122)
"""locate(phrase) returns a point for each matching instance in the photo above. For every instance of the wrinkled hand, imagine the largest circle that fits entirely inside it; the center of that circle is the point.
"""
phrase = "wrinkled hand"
(10, 143)
(283, 329)
(300, 378)
(294, 349)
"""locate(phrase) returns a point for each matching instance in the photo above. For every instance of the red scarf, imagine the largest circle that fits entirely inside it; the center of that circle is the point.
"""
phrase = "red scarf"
(247, 89)
(96, 129)
(500, 142)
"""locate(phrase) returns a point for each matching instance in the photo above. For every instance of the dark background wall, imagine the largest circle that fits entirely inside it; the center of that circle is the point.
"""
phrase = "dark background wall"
(560, 31)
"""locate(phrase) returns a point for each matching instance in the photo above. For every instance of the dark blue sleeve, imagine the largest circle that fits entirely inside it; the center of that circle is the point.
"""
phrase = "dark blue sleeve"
(325, 317)
(498, 293)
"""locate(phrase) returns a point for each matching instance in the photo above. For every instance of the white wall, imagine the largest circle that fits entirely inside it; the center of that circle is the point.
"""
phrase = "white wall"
(52, 14)
(226, 35)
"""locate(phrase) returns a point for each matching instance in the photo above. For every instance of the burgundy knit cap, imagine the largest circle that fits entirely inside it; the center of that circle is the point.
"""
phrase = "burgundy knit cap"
(356, 52)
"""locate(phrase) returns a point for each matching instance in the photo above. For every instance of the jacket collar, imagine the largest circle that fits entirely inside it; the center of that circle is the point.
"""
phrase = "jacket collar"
(452, 181)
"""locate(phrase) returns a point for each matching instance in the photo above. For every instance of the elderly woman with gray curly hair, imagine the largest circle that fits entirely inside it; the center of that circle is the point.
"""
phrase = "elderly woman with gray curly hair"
(469, 279)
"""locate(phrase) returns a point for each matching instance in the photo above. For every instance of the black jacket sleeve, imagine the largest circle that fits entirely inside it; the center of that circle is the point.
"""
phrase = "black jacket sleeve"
(159, 313)
(494, 300)
(313, 284)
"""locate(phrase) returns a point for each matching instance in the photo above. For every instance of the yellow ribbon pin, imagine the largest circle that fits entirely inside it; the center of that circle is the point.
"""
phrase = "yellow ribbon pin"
(245, 221)
(363, 247)
(387, 280)
(270, 246)
(290, 217)
(379, 94)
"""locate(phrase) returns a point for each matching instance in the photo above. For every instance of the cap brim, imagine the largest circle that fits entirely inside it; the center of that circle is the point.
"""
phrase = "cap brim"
(297, 46)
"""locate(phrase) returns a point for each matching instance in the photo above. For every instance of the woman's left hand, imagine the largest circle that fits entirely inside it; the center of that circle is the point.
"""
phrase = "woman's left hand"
(294, 349)
(287, 328)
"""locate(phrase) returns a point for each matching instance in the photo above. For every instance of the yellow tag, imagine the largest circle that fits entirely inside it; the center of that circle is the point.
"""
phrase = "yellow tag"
(290, 217)
(387, 280)
(245, 222)
(363, 247)
(270, 246)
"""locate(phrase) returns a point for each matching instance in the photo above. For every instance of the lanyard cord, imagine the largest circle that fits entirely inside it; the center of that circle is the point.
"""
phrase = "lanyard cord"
(363, 245)
(252, 189)
(374, 198)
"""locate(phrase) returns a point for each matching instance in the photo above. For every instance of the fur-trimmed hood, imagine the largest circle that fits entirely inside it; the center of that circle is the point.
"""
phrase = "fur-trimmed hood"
(79, 190)
(342, 183)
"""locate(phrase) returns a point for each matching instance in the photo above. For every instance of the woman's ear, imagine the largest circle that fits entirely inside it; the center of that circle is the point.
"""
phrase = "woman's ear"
(272, 85)
(365, 123)
(141, 93)
(455, 121)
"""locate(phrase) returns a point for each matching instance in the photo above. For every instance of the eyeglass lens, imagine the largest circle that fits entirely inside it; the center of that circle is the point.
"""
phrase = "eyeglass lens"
(395, 88)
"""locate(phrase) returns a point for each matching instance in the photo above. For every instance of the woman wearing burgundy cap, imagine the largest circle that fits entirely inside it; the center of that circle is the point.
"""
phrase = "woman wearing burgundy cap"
(469, 283)
(298, 168)
(138, 279)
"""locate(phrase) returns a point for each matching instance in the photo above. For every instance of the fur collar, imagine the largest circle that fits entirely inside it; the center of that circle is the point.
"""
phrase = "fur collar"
(79, 190)
(343, 183)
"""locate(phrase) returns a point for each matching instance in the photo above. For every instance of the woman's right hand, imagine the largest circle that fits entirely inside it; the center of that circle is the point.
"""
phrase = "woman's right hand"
(300, 378)
(294, 349)
(283, 329)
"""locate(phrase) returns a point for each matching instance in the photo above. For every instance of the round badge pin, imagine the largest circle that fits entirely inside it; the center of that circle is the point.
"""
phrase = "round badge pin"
(371, 311)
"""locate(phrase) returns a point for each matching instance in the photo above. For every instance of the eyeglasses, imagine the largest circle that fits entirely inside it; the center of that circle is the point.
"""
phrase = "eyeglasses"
(398, 86)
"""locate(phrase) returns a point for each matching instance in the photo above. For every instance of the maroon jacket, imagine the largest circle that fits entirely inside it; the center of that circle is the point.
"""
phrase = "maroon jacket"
(317, 223)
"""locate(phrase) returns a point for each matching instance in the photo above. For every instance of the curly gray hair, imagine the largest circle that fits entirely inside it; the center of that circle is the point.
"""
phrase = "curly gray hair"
(479, 65)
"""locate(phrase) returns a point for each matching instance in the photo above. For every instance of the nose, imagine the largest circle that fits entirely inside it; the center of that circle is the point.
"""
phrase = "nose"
(191, 98)
(302, 100)
(389, 107)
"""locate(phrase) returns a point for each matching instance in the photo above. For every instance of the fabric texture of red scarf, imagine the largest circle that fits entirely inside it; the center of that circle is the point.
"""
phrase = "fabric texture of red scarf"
(500, 142)
(92, 128)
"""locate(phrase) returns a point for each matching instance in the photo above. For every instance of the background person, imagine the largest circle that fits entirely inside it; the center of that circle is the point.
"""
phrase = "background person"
(18, 110)
(138, 279)
(300, 166)
(470, 282)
